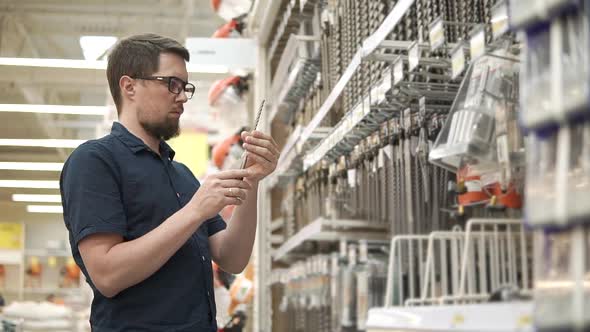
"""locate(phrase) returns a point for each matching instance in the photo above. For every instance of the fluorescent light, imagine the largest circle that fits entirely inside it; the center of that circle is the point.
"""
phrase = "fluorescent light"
(45, 208)
(36, 184)
(43, 143)
(54, 109)
(54, 63)
(95, 46)
(36, 198)
(18, 166)
(97, 64)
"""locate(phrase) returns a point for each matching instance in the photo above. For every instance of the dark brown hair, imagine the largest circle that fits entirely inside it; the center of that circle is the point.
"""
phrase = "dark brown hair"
(138, 56)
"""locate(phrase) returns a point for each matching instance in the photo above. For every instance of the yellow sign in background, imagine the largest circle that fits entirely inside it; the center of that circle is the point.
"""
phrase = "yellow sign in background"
(192, 150)
(11, 236)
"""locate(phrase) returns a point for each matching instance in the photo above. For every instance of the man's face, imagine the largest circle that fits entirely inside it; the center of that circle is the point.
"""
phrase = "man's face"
(159, 110)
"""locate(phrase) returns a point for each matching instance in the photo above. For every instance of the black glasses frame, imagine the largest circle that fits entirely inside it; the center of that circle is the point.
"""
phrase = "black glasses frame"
(188, 88)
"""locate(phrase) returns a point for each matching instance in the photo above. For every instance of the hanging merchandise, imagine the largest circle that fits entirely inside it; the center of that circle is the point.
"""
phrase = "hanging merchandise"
(233, 28)
(227, 98)
(555, 107)
(229, 9)
(34, 273)
(227, 153)
(70, 274)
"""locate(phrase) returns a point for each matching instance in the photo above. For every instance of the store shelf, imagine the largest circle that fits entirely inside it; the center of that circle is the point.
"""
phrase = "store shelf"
(294, 75)
(331, 230)
(48, 252)
(339, 137)
(496, 317)
(298, 141)
(366, 50)
(290, 159)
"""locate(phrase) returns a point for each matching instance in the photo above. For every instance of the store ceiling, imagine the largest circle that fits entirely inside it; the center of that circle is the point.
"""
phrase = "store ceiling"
(52, 29)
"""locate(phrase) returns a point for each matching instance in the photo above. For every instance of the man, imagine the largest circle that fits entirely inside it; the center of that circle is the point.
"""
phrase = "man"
(142, 228)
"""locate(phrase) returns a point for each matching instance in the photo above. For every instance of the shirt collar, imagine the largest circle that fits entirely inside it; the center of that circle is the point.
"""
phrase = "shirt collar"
(135, 144)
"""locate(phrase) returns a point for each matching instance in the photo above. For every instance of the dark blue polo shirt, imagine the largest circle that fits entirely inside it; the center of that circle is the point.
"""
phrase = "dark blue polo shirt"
(117, 184)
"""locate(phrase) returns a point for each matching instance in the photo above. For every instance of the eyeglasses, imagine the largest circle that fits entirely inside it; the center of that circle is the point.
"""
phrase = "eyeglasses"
(175, 84)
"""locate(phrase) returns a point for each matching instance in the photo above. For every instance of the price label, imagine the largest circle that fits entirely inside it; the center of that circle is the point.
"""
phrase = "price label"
(351, 177)
(499, 19)
(457, 61)
(398, 71)
(436, 34)
(477, 43)
(414, 56)
(407, 119)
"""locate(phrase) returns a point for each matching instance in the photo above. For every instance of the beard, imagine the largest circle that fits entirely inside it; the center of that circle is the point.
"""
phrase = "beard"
(165, 130)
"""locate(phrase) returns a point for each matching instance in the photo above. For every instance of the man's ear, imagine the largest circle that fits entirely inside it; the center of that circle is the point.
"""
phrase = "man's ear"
(127, 86)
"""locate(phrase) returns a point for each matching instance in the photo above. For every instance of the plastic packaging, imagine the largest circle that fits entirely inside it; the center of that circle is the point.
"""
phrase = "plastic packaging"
(541, 165)
(562, 296)
(578, 177)
(536, 103)
(574, 61)
(490, 89)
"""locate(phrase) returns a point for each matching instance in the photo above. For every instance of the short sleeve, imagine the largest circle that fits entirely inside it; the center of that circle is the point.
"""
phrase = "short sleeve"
(91, 193)
(215, 225)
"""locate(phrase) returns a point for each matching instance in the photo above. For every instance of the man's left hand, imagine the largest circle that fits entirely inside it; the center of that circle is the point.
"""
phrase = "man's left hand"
(262, 152)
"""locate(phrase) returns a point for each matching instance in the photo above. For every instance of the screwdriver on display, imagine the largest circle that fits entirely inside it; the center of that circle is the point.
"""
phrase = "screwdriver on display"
(245, 157)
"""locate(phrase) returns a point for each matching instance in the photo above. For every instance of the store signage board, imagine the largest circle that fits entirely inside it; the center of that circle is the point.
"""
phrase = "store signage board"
(222, 52)
(457, 61)
(11, 236)
(436, 34)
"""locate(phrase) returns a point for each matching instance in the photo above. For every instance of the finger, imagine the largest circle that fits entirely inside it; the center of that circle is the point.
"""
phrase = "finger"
(261, 135)
(232, 201)
(265, 163)
(265, 143)
(232, 183)
(233, 174)
(263, 152)
(241, 194)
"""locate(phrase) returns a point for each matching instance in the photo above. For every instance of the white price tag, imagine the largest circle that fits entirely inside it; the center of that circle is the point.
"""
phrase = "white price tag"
(398, 71)
(502, 142)
(436, 34)
(477, 44)
(366, 106)
(351, 177)
(414, 56)
(358, 113)
(457, 61)
(499, 19)
(380, 159)
(389, 151)
(374, 95)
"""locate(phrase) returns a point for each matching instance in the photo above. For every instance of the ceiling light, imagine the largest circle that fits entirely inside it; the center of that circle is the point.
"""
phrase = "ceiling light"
(43, 143)
(54, 109)
(54, 63)
(95, 46)
(45, 208)
(36, 184)
(36, 198)
(97, 65)
(19, 166)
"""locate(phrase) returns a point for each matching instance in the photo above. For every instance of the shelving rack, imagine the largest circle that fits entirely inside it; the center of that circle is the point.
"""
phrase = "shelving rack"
(396, 85)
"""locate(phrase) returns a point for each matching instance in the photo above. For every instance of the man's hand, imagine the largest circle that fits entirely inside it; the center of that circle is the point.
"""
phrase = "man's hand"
(219, 190)
(262, 152)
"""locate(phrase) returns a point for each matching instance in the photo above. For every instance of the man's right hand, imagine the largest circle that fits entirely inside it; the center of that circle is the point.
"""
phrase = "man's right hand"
(219, 190)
